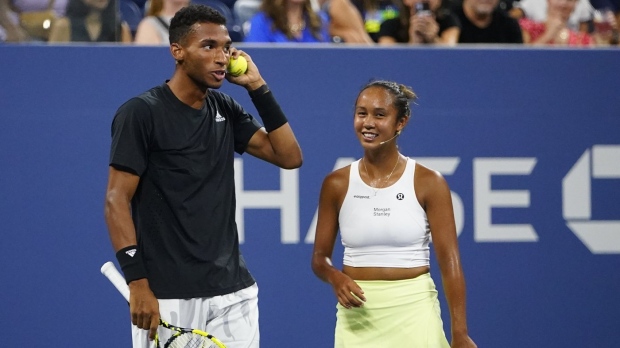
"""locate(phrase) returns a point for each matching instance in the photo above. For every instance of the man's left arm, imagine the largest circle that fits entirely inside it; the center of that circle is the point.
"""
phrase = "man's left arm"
(276, 142)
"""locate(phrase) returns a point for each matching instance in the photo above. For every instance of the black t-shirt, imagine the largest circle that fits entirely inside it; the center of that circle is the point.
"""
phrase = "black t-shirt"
(503, 29)
(184, 206)
(394, 27)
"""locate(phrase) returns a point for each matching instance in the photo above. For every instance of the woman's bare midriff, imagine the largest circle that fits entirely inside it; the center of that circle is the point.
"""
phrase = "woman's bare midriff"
(384, 273)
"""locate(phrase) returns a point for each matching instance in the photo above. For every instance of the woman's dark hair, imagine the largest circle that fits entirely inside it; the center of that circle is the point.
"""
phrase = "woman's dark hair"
(183, 21)
(402, 94)
(276, 10)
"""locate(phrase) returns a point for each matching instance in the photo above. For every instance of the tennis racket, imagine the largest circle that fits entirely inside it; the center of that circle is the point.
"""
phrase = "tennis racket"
(181, 337)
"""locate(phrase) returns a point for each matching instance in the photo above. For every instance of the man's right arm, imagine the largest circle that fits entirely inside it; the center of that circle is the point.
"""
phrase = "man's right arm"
(122, 186)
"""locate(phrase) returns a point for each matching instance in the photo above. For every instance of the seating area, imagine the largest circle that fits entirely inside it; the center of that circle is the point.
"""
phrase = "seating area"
(576, 23)
(132, 11)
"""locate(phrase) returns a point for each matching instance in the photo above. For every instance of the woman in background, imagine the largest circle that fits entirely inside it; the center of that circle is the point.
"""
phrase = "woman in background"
(153, 29)
(90, 21)
(421, 22)
(536, 10)
(555, 30)
(288, 21)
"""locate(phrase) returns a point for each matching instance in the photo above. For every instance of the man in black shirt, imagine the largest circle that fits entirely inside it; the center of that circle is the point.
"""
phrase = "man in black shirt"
(482, 21)
(170, 200)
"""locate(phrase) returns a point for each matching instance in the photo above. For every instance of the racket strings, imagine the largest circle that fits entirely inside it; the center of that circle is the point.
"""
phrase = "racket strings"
(189, 340)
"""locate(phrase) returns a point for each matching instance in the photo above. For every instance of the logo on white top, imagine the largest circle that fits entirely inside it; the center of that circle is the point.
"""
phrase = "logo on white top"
(131, 252)
(219, 118)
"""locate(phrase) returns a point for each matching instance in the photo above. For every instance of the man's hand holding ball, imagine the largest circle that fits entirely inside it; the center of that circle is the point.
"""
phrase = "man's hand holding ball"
(237, 67)
(242, 71)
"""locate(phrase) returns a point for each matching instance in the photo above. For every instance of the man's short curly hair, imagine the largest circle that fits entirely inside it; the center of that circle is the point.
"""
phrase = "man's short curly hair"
(183, 21)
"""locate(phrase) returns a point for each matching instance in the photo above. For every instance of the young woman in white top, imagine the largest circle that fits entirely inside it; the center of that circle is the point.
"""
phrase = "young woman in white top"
(153, 29)
(386, 207)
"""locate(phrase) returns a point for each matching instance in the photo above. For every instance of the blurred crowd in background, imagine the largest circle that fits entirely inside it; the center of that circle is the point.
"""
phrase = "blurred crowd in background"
(576, 23)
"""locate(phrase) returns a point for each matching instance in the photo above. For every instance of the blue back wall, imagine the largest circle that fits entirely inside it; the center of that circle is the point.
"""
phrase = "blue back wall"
(529, 141)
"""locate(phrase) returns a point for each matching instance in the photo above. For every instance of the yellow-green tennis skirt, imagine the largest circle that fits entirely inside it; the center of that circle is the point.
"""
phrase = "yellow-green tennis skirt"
(396, 314)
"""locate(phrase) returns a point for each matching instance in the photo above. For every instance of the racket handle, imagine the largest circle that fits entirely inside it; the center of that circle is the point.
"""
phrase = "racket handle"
(109, 270)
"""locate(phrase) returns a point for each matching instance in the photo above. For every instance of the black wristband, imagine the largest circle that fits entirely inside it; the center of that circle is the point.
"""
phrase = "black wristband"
(268, 108)
(259, 91)
(131, 263)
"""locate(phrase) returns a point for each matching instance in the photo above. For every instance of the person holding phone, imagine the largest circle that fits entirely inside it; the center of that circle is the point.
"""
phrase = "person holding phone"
(421, 22)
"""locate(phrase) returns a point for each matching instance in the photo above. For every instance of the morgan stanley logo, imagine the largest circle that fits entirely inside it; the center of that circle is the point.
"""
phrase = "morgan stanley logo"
(361, 197)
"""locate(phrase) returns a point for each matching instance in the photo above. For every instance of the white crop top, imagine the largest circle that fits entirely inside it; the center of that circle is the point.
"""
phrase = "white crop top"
(389, 229)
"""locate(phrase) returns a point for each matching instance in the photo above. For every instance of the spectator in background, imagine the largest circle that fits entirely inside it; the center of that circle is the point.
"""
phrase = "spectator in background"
(375, 12)
(288, 21)
(29, 20)
(153, 29)
(346, 23)
(536, 10)
(244, 10)
(555, 29)
(421, 22)
(606, 19)
(10, 30)
(481, 21)
(21, 6)
(505, 5)
(611, 5)
(90, 21)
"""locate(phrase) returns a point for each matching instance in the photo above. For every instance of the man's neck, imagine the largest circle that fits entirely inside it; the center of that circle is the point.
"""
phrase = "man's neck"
(187, 91)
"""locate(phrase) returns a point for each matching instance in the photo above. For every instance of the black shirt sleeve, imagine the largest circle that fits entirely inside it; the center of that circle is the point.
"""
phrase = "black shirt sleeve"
(131, 129)
(244, 124)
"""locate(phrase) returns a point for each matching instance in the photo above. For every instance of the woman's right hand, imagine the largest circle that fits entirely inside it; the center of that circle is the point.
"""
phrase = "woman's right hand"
(348, 293)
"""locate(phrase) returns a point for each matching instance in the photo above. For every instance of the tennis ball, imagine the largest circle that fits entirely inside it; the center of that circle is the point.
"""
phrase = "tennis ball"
(237, 66)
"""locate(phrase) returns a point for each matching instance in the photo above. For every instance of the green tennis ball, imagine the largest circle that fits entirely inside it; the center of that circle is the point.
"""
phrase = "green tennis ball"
(237, 66)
